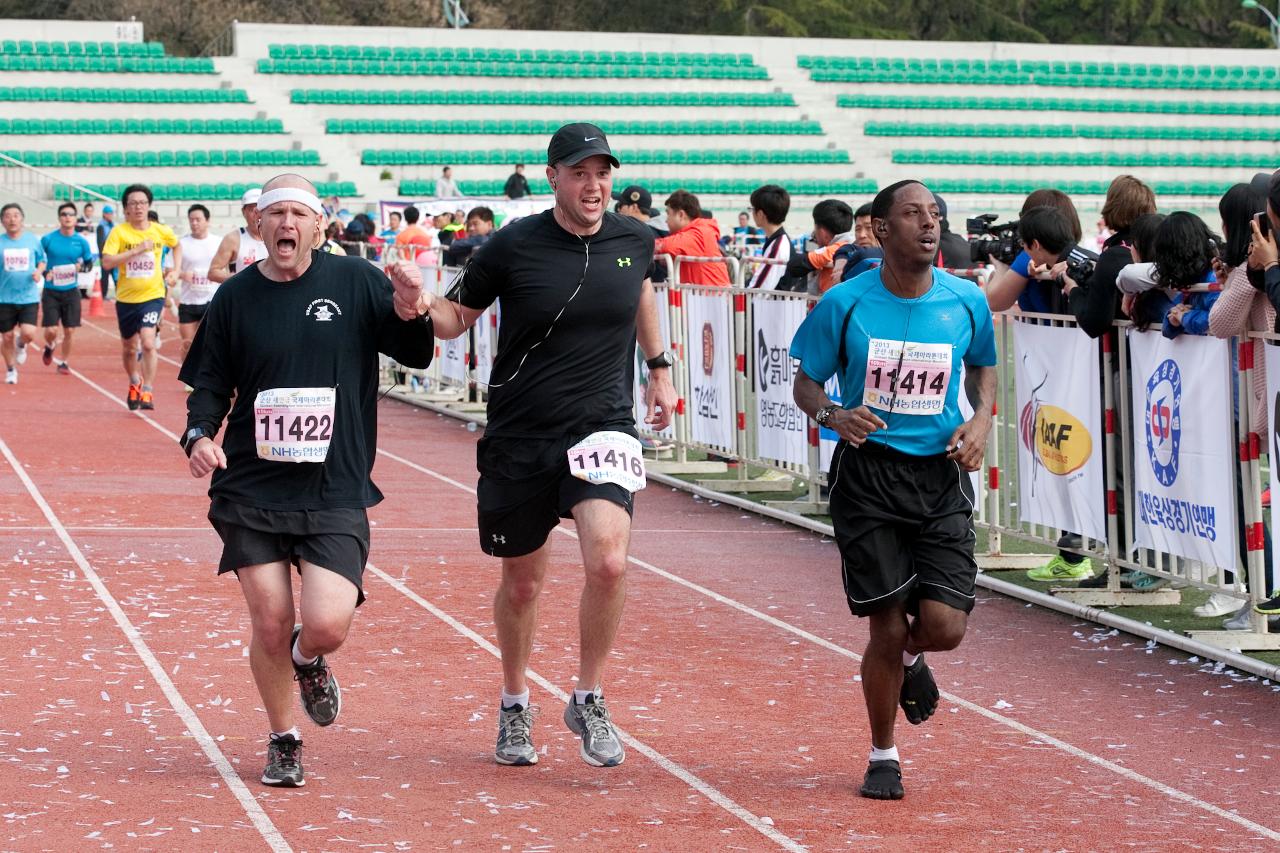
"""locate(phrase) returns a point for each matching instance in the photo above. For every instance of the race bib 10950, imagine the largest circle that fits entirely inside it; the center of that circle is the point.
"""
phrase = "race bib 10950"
(906, 377)
(294, 424)
(609, 457)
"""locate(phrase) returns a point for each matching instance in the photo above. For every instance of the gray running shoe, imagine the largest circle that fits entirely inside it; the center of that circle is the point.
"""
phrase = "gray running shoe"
(284, 763)
(321, 696)
(515, 737)
(601, 746)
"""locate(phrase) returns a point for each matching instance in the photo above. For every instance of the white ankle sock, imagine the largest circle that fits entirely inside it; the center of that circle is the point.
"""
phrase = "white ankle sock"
(297, 655)
(293, 732)
(511, 699)
(890, 754)
(909, 660)
(580, 696)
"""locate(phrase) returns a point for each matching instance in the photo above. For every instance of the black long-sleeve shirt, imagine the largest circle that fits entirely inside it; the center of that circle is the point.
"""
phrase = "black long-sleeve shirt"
(1097, 304)
(323, 330)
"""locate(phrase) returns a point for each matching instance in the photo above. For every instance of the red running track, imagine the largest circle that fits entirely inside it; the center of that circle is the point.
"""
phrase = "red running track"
(128, 718)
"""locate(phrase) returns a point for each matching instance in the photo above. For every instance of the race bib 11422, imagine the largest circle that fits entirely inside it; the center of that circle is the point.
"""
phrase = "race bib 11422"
(294, 424)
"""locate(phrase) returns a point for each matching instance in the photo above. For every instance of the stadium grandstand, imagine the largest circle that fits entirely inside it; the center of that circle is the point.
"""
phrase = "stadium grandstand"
(375, 113)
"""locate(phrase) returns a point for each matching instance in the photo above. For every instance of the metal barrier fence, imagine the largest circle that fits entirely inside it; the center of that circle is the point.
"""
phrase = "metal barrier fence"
(733, 378)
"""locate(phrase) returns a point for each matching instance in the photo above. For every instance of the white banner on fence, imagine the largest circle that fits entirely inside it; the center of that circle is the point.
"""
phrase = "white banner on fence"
(1060, 476)
(1271, 357)
(640, 378)
(453, 360)
(1183, 457)
(709, 362)
(781, 428)
(486, 332)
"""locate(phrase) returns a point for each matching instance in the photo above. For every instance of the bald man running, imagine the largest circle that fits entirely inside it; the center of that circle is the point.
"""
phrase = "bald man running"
(294, 341)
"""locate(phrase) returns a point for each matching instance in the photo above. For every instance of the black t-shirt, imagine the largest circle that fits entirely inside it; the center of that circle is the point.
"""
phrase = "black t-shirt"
(569, 375)
(323, 330)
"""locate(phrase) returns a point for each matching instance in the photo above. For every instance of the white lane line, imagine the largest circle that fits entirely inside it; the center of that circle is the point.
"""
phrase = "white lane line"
(1036, 734)
(184, 711)
(207, 529)
(707, 790)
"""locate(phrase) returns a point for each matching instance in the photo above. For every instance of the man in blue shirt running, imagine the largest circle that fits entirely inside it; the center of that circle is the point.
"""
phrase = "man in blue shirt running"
(901, 500)
(20, 280)
(68, 253)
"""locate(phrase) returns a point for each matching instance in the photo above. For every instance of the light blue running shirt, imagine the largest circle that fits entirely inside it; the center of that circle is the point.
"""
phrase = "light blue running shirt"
(902, 357)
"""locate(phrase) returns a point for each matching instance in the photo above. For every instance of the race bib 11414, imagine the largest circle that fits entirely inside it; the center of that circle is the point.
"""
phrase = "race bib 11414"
(906, 377)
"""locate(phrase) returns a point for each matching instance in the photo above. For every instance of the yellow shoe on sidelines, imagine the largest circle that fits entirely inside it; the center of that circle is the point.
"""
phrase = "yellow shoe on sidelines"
(1058, 569)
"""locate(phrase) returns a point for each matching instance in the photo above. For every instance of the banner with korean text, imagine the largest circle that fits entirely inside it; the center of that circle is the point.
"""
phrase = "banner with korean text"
(1061, 482)
(1183, 460)
(1271, 357)
(781, 428)
(709, 364)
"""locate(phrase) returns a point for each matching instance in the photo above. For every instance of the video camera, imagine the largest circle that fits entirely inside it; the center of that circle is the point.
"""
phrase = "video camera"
(998, 241)
(1080, 265)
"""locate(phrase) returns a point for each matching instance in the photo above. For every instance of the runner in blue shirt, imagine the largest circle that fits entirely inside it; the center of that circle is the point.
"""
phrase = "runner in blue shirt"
(68, 254)
(901, 502)
(20, 281)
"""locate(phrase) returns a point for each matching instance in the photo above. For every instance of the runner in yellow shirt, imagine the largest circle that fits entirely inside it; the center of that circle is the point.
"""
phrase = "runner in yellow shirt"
(136, 246)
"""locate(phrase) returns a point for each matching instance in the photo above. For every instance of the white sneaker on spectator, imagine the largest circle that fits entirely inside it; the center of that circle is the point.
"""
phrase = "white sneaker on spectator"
(1241, 621)
(1219, 604)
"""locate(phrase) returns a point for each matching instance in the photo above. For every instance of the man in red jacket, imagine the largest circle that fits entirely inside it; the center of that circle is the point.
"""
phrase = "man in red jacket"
(692, 236)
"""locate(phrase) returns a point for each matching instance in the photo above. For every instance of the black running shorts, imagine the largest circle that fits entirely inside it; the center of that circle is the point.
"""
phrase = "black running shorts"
(60, 306)
(132, 317)
(12, 315)
(334, 539)
(525, 489)
(192, 313)
(904, 526)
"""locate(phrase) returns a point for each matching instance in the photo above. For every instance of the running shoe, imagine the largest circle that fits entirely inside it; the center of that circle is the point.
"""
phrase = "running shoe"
(515, 737)
(883, 781)
(20, 355)
(321, 696)
(918, 697)
(64, 368)
(11, 376)
(1241, 620)
(1219, 604)
(1270, 607)
(601, 746)
(284, 763)
(1058, 569)
(46, 355)
(145, 401)
(135, 397)
(1141, 581)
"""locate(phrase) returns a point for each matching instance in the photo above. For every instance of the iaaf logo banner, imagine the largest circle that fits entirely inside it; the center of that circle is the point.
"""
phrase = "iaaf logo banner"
(1059, 395)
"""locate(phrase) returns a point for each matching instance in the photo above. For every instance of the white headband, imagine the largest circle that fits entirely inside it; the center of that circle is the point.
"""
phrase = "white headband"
(289, 194)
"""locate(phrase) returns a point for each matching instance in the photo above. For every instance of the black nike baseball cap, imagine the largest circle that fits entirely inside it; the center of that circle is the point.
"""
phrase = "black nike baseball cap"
(637, 195)
(574, 143)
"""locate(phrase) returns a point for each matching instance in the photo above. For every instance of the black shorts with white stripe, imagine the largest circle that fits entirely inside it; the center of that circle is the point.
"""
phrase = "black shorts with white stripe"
(904, 526)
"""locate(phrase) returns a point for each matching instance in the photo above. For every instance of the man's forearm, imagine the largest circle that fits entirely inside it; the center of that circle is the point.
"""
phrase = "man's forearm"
(980, 386)
(648, 328)
(810, 396)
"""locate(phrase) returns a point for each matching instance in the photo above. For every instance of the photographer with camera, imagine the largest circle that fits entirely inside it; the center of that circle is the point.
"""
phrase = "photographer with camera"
(1097, 304)
(1001, 245)
(1053, 249)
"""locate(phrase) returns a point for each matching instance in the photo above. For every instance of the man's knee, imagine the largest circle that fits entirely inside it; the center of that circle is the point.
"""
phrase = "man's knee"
(608, 568)
(325, 633)
(889, 629)
(941, 628)
(522, 580)
(272, 627)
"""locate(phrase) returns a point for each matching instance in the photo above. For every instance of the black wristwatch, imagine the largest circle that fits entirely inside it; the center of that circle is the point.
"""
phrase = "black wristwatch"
(191, 436)
(662, 359)
(824, 414)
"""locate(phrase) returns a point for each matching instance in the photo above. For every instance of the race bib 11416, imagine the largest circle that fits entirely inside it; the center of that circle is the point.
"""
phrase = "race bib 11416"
(294, 424)
(609, 457)
(906, 377)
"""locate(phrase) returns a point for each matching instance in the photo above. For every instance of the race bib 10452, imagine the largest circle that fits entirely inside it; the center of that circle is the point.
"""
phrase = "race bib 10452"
(140, 266)
(907, 377)
(294, 424)
(609, 457)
